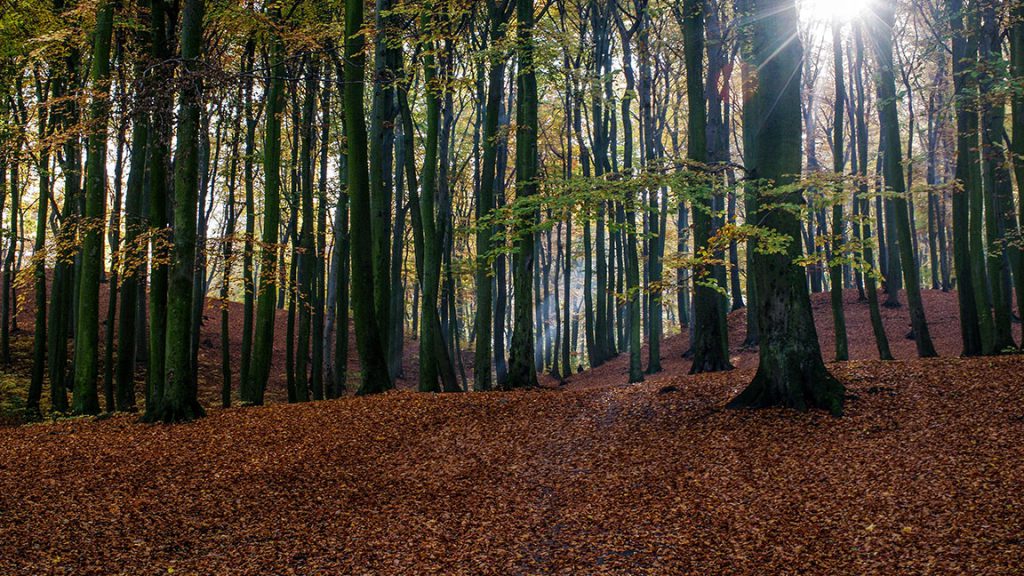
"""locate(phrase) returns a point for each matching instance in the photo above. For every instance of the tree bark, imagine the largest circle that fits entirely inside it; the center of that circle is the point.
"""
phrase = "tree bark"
(790, 371)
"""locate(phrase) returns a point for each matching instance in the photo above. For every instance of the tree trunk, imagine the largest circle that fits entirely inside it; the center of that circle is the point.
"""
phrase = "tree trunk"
(482, 378)
(38, 263)
(790, 371)
(1017, 136)
(86, 399)
(161, 131)
(381, 155)
(894, 179)
(710, 351)
(245, 386)
(839, 159)
(375, 377)
(997, 183)
(253, 389)
(307, 240)
(181, 400)
(881, 339)
(522, 371)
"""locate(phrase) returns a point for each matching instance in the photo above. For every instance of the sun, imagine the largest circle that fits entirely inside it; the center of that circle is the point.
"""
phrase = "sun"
(827, 10)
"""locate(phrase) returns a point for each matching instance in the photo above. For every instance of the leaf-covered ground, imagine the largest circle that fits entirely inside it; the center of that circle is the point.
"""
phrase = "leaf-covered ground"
(925, 475)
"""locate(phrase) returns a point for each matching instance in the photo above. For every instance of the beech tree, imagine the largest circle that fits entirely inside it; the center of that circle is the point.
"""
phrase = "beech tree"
(522, 370)
(790, 369)
(375, 377)
(86, 397)
(894, 175)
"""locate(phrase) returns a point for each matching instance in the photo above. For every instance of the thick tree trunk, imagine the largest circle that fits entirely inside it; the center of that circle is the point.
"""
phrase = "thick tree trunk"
(1017, 136)
(790, 371)
(158, 156)
(997, 183)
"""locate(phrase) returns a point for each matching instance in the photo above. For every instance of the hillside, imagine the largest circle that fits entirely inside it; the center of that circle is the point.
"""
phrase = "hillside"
(922, 476)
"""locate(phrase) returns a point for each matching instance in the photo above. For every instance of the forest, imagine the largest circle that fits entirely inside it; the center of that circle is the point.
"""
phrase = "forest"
(511, 286)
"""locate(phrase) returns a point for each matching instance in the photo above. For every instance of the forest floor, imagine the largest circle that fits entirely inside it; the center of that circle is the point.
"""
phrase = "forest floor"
(923, 475)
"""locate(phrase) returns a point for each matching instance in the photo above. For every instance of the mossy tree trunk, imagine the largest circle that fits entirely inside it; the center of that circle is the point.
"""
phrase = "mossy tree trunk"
(790, 371)
(373, 362)
(86, 398)
(522, 369)
(181, 399)
(159, 153)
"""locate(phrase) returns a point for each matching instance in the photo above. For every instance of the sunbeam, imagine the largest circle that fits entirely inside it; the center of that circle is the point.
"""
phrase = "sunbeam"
(827, 10)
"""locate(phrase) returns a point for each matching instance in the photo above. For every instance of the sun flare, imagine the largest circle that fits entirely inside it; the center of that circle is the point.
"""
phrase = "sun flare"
(827, 10)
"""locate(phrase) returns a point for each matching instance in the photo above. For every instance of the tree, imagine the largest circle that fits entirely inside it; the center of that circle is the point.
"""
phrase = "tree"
(996, 179)
(894, 176)
(1017, 135)
(498, 13)
(306, 267)
(791, 372)
(133, 268)
(181, 400)
(228, 249)
(253, 388)
(522, 370)
(59, 317)
(86, 398)
(839, 161)
(881, 339)
(159, 154)
(430, 263)
(381, 162)
(710, 349)
(246, 389)
(968, 250)
(39, 264)
(375, 377)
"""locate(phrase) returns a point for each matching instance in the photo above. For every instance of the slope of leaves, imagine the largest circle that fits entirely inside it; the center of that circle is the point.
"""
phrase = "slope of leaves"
(923, 476)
